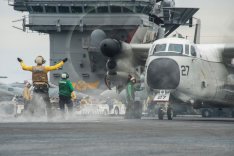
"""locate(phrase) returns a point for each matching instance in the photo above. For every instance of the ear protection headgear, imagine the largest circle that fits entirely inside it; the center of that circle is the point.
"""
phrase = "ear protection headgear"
(64, 75)
(28, 85)
(40, 60)
(133, 79)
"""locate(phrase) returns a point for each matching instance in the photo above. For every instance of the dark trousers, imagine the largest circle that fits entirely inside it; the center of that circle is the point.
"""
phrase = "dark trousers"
(41, 93)
(65, 100)
(44, 94)
(26, 103)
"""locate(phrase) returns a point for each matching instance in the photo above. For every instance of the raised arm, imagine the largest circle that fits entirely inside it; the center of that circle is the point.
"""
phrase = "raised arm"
(73, 96)
(70, 86)
(24, 66)
(57, 66)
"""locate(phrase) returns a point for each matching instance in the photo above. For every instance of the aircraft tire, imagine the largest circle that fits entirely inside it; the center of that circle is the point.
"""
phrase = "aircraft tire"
(116, 111)
(169, 113)
(160, 113)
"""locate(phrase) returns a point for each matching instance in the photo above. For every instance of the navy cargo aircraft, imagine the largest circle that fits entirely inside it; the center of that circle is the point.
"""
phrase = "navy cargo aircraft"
(176, 70)
(124, 59)
(202, 75)
(197, 74)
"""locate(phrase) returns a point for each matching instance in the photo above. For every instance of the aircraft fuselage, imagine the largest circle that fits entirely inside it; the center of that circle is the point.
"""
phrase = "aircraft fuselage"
(194, 74)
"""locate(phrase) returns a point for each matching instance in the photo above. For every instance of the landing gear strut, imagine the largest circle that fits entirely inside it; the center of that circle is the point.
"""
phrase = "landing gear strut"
(162, 99)
(170, 113)
(160, 113)
(165, 109)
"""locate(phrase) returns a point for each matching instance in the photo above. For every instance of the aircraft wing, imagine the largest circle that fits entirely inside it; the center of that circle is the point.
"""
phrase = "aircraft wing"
(140, 52)
(6, 88)
(4, 92)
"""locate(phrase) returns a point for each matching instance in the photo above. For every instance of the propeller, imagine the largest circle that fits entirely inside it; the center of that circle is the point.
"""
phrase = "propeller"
(97, 36)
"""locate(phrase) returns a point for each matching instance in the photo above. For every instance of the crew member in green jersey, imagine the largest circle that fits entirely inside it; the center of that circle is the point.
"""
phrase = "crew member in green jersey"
(66, 93)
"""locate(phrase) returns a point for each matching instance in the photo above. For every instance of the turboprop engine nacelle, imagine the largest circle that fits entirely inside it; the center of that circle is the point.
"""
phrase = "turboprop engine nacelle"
(120, 61)
(110, 47)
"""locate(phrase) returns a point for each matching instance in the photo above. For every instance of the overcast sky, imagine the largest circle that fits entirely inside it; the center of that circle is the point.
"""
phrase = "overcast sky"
(217, 27)
(217, 17)
(16, 43)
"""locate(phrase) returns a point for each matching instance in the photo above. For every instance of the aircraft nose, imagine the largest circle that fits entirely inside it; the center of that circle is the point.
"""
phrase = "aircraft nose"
(163, 73)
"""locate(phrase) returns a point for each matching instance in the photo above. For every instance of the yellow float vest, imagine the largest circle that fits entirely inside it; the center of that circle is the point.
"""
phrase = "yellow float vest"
(39, 74)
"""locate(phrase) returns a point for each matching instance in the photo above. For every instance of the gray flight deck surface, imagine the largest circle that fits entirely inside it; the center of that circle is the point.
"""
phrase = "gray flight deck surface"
(114, 136)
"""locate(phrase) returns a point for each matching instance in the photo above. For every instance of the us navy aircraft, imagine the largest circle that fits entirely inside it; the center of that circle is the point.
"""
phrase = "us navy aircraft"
(199, 74)
(8, 91)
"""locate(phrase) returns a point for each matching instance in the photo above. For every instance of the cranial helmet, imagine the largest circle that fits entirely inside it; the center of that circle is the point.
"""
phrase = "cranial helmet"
(133, 79)
(64, 75)
(40, 60)
(28, 85)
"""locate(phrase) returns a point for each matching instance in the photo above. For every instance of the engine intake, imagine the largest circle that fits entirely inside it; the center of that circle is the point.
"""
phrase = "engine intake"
(110, 47)
(163, 73)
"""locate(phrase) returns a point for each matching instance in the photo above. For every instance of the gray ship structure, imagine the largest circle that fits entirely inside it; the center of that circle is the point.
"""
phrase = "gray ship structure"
(70, 23)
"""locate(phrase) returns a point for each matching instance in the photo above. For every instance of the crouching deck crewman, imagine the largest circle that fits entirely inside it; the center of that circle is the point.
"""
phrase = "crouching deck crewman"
(27, 95)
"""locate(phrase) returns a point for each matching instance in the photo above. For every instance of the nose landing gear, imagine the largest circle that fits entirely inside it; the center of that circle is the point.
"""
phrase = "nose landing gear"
(165, 109)
(162, 99)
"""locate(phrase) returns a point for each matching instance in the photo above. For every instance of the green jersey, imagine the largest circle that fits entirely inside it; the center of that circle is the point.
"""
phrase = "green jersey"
(131, 88)
(130, 91)
(65, 88)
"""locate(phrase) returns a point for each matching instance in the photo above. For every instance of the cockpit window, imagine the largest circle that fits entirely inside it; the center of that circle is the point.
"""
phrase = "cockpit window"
(193, 51)
(176, 48)
(160, 47)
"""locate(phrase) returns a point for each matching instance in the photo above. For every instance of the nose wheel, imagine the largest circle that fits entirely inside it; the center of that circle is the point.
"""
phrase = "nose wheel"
(169, 113)
(163, 101)
(166, 109)
(160, 113)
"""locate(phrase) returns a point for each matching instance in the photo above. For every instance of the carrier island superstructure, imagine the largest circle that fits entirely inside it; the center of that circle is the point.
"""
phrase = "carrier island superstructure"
(69, 24)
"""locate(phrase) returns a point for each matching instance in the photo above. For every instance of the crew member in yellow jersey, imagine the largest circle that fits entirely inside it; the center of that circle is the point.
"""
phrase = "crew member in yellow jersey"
(40, 79)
